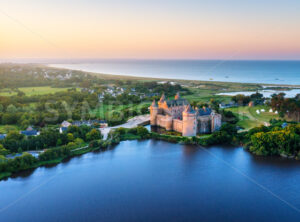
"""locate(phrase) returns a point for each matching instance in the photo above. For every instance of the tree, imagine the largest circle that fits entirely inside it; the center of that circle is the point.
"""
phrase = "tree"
(71, 144)
(256, 95)
(20, 93)
(70, 137)
(78, 141)
(11, 109)
(94, 134)
(215, 105)
(9, 118)
(241, 99)
(3, 151)
(14, 135)
(142, 132)
(229, 128)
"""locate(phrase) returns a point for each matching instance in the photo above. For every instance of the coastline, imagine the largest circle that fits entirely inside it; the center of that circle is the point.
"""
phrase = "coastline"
(271, 72)
(112, 143)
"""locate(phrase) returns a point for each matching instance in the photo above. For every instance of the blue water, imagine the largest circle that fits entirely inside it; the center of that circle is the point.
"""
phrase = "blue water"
(272, 72)
(156, 181)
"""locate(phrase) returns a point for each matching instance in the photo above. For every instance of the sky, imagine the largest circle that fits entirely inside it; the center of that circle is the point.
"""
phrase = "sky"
(152, 29)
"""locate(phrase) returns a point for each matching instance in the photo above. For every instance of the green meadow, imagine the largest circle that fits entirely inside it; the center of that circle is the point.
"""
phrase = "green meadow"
(6, 128)
(32, 91)
(249, 118)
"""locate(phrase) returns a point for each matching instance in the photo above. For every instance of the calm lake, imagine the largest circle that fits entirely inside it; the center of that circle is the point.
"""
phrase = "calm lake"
(156, 181)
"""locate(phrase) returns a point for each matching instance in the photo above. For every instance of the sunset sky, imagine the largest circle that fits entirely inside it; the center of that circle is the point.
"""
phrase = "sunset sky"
(164, 29)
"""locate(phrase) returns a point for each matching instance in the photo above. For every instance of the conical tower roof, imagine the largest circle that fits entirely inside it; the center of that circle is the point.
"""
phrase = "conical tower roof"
(189, 109)
(154, 103)
(177, 96)
(162, 98)
(197, 111)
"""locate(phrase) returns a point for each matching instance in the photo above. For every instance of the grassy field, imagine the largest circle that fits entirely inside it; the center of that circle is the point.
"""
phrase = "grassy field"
(31, 91)
(5, 128)
(205, 95)
(249, 118)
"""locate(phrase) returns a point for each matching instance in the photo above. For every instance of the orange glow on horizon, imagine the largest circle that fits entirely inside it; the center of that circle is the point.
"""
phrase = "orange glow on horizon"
(75, 33)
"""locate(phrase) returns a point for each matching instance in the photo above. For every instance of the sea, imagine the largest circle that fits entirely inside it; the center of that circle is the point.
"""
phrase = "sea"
(268, 72)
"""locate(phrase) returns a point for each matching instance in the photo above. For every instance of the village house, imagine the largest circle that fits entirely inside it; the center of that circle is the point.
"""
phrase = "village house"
(30, 132)
(65, 124)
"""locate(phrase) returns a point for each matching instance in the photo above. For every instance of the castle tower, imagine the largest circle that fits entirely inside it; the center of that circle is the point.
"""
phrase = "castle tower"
(189, 122)
(162, 100)
(153, 113)
(216, 121)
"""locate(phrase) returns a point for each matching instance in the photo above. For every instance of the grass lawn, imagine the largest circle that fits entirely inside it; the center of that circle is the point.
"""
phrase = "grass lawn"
(205, 95)
(249, 118)
(31, 91)
(5, 128)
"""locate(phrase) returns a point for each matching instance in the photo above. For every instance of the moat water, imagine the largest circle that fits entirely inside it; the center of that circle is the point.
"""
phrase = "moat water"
(156, 181)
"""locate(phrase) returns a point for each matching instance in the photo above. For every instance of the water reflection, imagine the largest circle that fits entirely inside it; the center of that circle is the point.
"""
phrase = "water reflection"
(156, 181)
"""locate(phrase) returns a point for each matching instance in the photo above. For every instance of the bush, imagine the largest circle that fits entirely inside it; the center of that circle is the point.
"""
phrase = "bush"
(3, 151)
(94, 134)
(142, 132)
(23, 162)
(51, 154)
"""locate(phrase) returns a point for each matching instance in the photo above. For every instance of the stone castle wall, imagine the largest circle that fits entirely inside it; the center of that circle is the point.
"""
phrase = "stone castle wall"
(164, 121)
(204, 124)
(177, 125)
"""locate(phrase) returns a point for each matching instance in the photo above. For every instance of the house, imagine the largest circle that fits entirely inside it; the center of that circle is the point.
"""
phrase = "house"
(2, 136)
(228, 105)
(63, 129)
(30, 132)
(100, 97)
(64, 126)
(152, 94)
(91, 91)
(102, 123)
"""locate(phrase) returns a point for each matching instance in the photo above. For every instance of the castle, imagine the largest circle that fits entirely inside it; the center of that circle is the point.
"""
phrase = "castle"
(178, 115)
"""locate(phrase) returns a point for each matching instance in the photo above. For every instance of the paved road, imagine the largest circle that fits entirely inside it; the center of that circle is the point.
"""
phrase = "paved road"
(134, 122)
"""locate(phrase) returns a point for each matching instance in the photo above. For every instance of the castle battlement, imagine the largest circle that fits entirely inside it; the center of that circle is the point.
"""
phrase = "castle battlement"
(179, 116)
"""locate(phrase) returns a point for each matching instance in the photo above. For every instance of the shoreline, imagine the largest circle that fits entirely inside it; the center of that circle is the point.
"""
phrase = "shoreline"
(140, 77)
(143, 78)
(84, 150)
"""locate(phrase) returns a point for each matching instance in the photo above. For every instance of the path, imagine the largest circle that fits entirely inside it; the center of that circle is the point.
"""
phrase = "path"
(131, 123)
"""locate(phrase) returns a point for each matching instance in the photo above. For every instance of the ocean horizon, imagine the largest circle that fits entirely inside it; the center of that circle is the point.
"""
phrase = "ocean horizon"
(243, 71)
